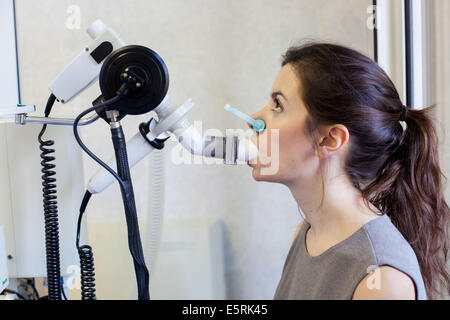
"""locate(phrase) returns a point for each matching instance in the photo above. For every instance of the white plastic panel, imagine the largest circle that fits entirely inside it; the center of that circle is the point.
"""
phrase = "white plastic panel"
(423, 36)
(6, 219)
(190, 264)
(26, 197)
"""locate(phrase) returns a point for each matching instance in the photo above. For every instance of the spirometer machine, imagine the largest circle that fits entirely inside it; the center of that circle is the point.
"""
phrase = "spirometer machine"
(133, 80)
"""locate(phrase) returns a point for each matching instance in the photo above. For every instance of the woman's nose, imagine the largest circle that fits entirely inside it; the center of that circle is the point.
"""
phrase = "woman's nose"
(257, 124)
(253, 116)
(254, 135)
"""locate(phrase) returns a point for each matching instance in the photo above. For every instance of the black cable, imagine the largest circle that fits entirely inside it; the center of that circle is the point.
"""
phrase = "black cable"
(83, 146)
(50, 211)
(16, 293)
(62, 289)
(31, 282)
(33, 286)
(86, 258)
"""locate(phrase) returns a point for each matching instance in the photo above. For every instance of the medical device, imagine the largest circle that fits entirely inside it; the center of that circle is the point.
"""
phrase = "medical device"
(257, 124)
(133, 80)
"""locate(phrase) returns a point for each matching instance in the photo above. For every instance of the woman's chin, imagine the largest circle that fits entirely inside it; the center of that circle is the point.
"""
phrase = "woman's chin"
(258, 176)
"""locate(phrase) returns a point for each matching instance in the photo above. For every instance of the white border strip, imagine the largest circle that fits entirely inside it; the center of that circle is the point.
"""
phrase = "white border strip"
(419, 87)
(9, 81)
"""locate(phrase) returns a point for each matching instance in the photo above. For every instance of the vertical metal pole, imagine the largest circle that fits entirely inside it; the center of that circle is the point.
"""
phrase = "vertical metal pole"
(375, 33)
(409, 53)
(17, 51)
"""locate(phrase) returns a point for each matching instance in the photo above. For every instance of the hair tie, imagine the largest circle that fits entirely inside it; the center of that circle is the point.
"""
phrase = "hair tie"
(404, 114)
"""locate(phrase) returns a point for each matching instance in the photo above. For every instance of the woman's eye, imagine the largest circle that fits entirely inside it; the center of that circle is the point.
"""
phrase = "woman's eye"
(278, 107)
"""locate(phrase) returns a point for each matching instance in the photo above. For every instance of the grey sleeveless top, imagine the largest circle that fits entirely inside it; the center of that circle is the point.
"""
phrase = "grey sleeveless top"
(336, 273)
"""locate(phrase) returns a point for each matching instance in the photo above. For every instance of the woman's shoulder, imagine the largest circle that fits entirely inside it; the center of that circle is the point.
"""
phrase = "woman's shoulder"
(387, 243)
(299, 227)
(394, 256)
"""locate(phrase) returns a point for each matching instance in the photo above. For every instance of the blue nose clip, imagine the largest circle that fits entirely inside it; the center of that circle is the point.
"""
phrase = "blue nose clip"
(258, 124)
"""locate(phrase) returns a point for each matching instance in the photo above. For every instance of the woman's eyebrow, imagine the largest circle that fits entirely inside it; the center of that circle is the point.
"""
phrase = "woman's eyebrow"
(274, 94)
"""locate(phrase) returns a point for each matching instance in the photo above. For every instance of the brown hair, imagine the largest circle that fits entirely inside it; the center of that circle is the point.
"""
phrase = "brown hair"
(395, 166)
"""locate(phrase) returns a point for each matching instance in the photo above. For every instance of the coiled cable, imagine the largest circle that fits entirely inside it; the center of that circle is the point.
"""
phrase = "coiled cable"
(50, 211)
(86, 254)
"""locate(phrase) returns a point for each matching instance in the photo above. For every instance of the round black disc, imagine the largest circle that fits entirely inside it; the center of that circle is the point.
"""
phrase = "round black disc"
(147, 67)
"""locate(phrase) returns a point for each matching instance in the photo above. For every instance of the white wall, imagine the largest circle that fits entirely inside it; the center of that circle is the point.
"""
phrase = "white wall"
(441, 84)
(217, 52)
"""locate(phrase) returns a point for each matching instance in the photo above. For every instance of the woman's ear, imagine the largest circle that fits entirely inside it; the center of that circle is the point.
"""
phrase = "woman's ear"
(332, 139)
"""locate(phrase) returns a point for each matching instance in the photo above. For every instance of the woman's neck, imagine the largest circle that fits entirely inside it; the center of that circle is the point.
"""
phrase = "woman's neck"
(335, 209)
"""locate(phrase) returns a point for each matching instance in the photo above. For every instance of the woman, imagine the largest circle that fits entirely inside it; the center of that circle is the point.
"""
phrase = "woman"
(364, 171)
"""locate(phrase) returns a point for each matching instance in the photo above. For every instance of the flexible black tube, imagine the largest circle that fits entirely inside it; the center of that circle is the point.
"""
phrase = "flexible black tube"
(134, 239)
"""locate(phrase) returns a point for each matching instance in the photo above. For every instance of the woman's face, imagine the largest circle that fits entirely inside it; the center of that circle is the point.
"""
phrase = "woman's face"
(286, 151)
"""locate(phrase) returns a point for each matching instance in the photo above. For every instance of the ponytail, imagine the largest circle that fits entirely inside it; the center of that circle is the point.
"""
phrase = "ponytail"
(409, 191)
